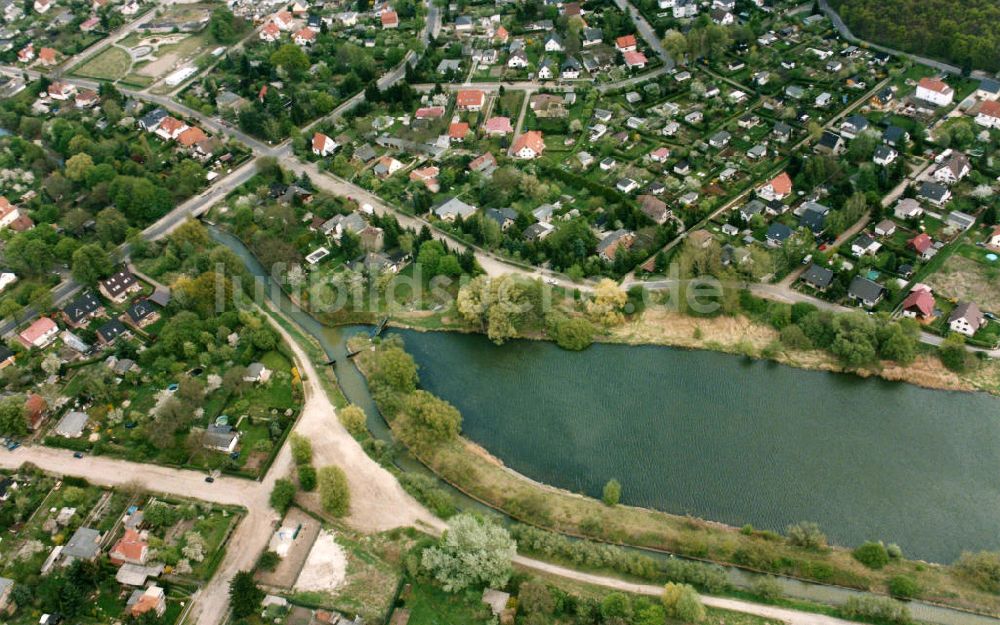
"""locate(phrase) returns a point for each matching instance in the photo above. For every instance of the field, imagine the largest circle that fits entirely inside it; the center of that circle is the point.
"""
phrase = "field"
(111, 64)
(963, 278)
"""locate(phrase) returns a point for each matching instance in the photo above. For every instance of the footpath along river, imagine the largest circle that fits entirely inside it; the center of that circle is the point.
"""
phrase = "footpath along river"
(717, 436)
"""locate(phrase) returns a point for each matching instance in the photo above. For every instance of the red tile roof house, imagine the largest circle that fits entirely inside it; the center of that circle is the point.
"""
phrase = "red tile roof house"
(390, 20)
(323, 145)
(470, 100)
(270, 32)
(529, 145)
(283, 20)
(39, 334)
(626, 43)
(90, 24)
(304, 37)
(919, 304)
(8, 213)
(26, 54)
(502, 35)
(994, 239)
(458, 131)
(47, 56)
(61, 91)
(659, 155)
(429, 112)
(86, 98)
(35, 410)
(635, 60)
(921, 244)
(498, 126)
(131, 549)
(191, 137)
(777, 189)
(428, 176)
(170, 128)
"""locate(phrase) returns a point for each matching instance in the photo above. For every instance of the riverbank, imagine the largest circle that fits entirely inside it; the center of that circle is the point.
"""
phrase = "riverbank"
(481, 476)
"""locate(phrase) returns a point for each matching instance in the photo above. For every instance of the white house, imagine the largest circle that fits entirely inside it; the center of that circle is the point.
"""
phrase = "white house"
(989, 114)
(935, 91)
(966, 319)
(529, 145)
(953, 169)
(323, 145)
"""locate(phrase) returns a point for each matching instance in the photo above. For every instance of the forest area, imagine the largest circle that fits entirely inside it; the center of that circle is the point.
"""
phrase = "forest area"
(966, 34)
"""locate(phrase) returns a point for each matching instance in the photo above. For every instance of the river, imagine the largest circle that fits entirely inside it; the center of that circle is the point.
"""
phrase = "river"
(717, 436)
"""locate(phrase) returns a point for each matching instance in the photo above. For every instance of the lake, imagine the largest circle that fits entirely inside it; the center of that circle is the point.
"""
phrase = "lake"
(724, 438)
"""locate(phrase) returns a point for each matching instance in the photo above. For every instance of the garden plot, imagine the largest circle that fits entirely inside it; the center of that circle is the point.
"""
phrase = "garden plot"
(326, 566)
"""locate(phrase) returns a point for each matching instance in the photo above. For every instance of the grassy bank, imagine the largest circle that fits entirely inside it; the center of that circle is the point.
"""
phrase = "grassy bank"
(430, 429)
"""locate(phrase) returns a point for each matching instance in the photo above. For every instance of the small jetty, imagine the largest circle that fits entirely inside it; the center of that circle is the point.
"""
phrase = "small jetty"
(378, 329)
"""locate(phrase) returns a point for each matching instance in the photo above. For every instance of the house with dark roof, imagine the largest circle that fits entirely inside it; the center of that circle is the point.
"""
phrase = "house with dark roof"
(141, 314)
(818, 277)
(935, 193)
(85, 544)
(830, 143)
(777, 234)
(814, 217)
(221, 438)
(865, 292)
(110, 331)
(118, 287)
(82, 309)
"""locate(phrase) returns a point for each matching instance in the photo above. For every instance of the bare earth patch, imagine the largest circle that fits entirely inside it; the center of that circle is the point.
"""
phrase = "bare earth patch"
(326, 566)
(962, 278)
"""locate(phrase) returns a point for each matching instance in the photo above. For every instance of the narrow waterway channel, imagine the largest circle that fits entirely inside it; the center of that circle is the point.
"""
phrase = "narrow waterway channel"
(645, 414)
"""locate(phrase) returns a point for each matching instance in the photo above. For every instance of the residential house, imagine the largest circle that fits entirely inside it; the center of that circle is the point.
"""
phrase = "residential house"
(141, 314)
(109, 332)
(592, 37)
(777, 234)
(538, 231)
(626, 185)
(865, 245)
(389, 19)
(935, 91)
(61, 91)
(498, 126)
(994, 238)
(429, 112)
(257, 373)
(954, 169)
(620, 239)
(7, 357)
(152, 599)
(386, 166)
(719, 139)
(221, 438)
(818, 277)
(86, 98)
(865, 292)
(966, 319)
(82, 309)
(830, 143)
(635, 60)
(885, 228)
(85, 544)
(960, 220)
(654, 208)
(43, 6)
(989, 114)
(428, 176)
(782, 131)
(935, 193)
(908, 208)
(529, 145)
(570, 68)
(517, 60)
(989, 90)
(39, 334)
(553, 43)
(895, 136)
(192, 137)
(470, 100)
(503, 217)
(922, 244)
(452, 208)
(36, 409)
(118, 287)
(457, 131)
(883, 99)
(71, 424)
(919, 304)
(626, 43)
(304, 37)
(853, 126)
(484, 164)
(814, 217)
(322, 145)
(777, 189)
(151, 120)
(26, 54)
(546, 69)
(885, 156)
(47, 56)
(130, 549)
(170, 128)
(660, 155)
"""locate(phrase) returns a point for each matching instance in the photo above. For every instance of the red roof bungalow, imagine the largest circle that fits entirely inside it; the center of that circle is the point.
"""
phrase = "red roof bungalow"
(171, 128)
(470, 100)
(921, 243)
(90, 24)
(86, 98)
(283, 20)
(39, 334)
(270, 32)
(626, 43)
(131, 549)
(428, 176)
(192, 136)
(635, 60)
(61, 91)
(390, 19)
(481, 163)
(304, 37)
(529, 145)
(35, 410)
(919, 304)
(659, 155)
(777, 189)
(47, 56)
(26, 54)
(498, 126)
(502, 35)
(458, 131)
(429, 112)
(323, 145)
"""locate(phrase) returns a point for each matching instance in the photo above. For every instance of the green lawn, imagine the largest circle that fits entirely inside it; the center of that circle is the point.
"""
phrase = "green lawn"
(111, 64)
(429, 605)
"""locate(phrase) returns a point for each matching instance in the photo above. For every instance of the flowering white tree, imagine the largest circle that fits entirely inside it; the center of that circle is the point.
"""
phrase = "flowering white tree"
(472, 552)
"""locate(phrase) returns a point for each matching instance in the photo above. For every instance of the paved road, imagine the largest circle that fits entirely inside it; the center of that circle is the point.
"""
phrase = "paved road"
(646, 32)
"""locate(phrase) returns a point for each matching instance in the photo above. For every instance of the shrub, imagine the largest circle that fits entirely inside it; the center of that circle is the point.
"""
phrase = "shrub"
(425, 490)
(334, 493)
(572, 334)
(353, 420)
(767, 588)
(612, 493)
(307, 477)
(301, 449)
(872, 554)
(982, 568)
(282, 495)
(878, 609)
(806, 534)
(268, 561)
(682, 603)
(904, 587)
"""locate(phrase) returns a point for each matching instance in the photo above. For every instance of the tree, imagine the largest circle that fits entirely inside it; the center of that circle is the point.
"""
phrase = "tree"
(307, 477)
(245, 598)
(90, 263)
(353, 419)
(535, 597)
(953, 354)
(334, 493)
(268, 561)
(78, 166)
(496, 304)
(395, 369)
(111, 226)
(806, 534)
(612, 493)
(571, 333)
(222, 26)
(607, 304)
(427, 420)
(682, 602)
(12, 416)
(291, 58)
(872, 554)
(471, 552)
(282, 495)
